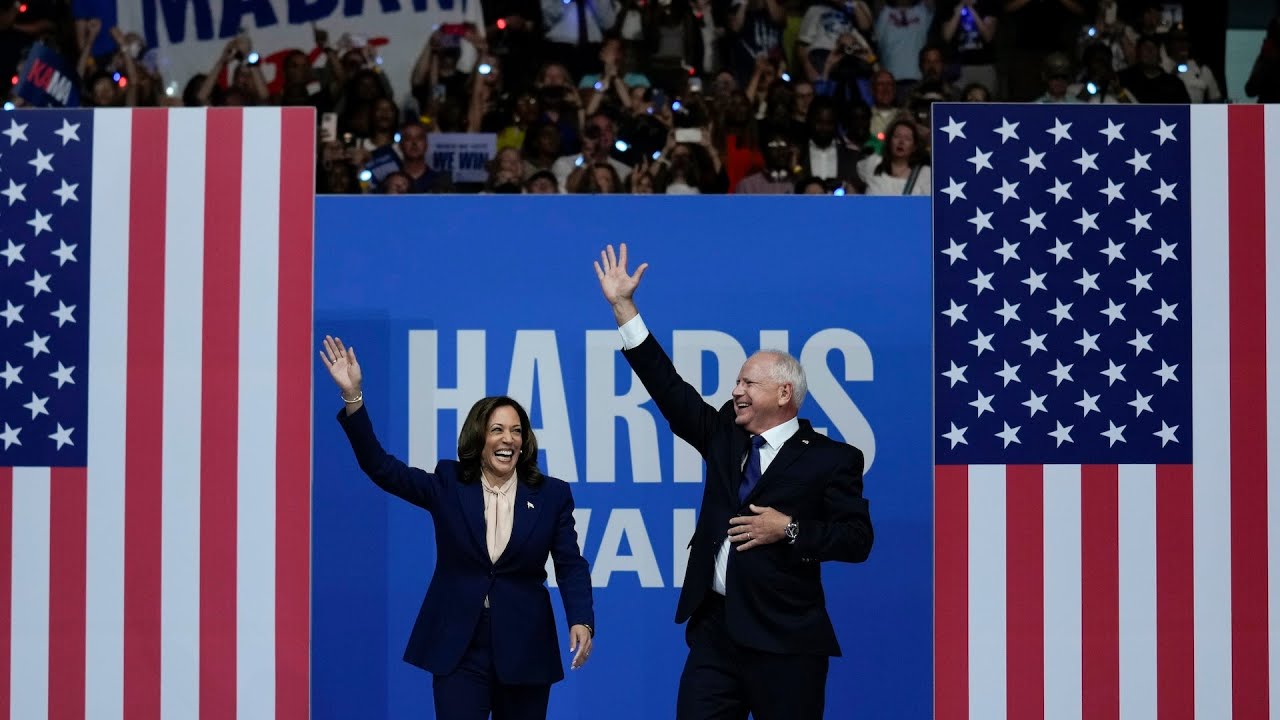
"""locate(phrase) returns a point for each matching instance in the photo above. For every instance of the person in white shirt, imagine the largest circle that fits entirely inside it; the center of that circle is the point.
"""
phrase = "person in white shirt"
(1201, 85)
(821, 28)
(598, 138)
(900, 169)
(902, 28)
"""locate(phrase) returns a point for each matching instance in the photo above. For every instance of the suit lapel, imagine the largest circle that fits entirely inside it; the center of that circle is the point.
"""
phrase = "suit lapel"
(472, 495)
(741, 440)
(791, 450)
(524, 517)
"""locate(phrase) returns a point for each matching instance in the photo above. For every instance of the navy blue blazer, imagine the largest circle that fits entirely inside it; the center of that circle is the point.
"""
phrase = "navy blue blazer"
(526, 650)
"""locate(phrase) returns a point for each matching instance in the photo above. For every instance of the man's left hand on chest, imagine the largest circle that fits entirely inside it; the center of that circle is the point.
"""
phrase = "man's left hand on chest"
(764, 526)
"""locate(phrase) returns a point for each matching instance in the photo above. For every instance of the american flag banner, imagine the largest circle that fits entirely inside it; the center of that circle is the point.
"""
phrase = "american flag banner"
(1105, 519)
(155, 453)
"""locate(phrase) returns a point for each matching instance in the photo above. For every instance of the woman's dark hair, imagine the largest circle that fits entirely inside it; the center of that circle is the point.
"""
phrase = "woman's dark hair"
(191, 93)
(803, 184)
(917, 156)
(588, 185)
(350, 183)
(530, 146)
(93, 79)
(472, 438)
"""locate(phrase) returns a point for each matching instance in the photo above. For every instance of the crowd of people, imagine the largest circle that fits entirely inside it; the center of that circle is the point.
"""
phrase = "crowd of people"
(678, 96)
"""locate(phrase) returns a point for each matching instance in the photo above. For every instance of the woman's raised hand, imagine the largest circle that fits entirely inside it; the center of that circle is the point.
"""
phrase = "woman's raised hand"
(343, 366)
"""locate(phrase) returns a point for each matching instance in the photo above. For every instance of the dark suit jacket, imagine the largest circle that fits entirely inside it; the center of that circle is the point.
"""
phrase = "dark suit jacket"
(846, 163)
(525, 648)
(773, 594)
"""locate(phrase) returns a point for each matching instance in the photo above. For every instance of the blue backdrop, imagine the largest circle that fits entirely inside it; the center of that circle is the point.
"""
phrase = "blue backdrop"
(450, 298)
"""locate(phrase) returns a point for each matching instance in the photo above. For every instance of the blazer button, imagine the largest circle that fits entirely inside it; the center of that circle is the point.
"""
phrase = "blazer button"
(493, 573)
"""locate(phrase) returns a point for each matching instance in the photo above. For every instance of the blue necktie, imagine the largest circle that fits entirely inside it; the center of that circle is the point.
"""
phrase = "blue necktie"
(751, 473)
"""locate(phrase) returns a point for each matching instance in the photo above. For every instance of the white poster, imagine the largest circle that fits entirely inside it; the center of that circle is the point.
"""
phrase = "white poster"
(465, 155)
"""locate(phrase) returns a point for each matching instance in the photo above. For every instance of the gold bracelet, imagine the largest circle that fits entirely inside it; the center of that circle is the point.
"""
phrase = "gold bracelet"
(359, 397)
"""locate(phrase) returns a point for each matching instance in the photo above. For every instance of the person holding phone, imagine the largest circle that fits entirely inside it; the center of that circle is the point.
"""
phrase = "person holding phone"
(779, 499)
(969, 32)
(598, 138)
(824, 26)
(485, 630)
(435, 77)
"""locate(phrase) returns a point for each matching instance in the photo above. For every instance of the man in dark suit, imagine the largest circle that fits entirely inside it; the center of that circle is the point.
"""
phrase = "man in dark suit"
(779, 499)
(824, 156)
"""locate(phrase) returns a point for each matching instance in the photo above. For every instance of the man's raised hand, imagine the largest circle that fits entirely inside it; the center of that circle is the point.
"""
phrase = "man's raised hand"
(616, 283)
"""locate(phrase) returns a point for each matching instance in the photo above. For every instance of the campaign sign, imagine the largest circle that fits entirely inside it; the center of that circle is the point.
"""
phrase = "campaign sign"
(46, 80)
(465, 155)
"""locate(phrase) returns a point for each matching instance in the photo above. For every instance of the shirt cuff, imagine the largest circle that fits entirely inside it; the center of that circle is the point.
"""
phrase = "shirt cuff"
(633, 332)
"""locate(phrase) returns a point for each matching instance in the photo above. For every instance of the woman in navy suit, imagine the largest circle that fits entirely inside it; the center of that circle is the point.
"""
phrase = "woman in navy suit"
(485, 630)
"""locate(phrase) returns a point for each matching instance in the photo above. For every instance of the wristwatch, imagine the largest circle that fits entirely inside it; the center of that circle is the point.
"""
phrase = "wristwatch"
(792, 532)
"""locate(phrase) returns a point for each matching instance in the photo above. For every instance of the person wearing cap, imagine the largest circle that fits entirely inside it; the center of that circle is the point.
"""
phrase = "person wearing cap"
(1057, 79)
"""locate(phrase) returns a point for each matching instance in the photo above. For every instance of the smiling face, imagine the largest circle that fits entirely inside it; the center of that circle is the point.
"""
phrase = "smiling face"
(883, 89)
(510, 162)
(759, 401)
(504, 436)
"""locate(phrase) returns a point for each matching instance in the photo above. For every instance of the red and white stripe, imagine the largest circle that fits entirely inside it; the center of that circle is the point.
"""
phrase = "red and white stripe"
(1140, 591)
(171, 578)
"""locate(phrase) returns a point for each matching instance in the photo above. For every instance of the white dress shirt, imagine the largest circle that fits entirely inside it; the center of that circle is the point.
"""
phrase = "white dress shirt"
(774, 438)
(824, 162)
(634, 332)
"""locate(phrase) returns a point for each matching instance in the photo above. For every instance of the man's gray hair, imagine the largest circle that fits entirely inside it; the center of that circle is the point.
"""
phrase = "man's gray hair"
(787, 369)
